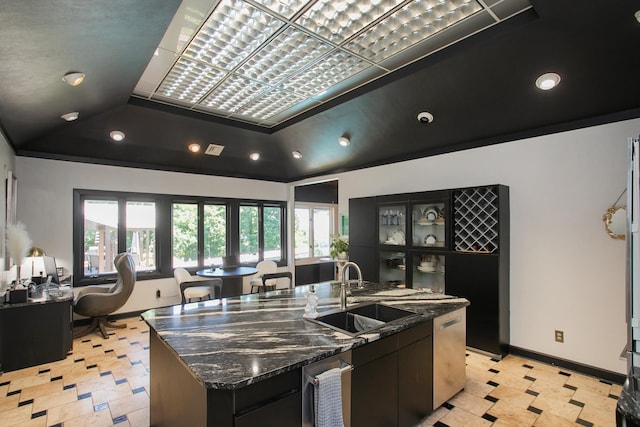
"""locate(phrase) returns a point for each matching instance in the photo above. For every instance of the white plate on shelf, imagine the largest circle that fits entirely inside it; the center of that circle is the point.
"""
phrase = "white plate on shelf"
(430, 214)
(430, 240)
(398, 237)
(426, 269)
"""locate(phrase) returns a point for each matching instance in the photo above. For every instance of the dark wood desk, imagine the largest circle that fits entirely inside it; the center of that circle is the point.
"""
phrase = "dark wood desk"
(231, 278)
(36, 332)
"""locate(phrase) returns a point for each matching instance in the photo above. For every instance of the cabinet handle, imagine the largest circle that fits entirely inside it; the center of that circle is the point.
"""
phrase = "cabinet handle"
(451, 322)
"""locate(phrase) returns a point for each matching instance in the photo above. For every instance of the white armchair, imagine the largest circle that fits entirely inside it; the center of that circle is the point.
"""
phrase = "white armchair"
(191, 288)
(264, 267)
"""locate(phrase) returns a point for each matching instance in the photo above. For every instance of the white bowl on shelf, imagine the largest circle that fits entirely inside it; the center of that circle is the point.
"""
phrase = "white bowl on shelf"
(426, 269)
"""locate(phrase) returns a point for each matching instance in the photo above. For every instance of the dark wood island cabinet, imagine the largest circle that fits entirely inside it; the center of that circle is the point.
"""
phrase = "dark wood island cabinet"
(392, 379)
(239, 362)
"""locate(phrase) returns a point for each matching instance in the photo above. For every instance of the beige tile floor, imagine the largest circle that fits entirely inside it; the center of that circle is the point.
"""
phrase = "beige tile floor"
(106, 382)
(521, 393)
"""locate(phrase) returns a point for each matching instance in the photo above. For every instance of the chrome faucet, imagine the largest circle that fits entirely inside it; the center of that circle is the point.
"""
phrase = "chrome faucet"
(344, 282)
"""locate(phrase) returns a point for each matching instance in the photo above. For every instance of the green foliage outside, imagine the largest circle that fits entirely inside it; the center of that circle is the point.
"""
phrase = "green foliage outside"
(185, 231)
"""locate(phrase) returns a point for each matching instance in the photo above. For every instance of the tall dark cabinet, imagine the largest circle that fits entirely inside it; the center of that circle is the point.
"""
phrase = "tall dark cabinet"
(362, 235)
(453, 241)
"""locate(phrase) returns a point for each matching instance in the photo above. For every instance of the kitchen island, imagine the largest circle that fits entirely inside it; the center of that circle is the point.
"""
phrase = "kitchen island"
(239, 360)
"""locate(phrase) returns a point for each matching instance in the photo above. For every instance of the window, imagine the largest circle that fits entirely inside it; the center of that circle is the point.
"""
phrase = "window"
(215, 234)
(261, 233)
(273, 226)
(100, 235)
(102, 238)
(313, 226)
(184, 235)
(249, 234)
(302, 233)
(162, 232)
(141, 234)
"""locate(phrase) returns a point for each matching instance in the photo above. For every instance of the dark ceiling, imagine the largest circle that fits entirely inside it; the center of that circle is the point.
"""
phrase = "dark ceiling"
(480, 90)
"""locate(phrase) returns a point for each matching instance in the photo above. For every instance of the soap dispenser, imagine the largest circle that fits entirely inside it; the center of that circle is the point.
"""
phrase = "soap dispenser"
(311, 309)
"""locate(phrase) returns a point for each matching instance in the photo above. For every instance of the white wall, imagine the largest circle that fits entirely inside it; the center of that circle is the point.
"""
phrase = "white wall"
(45, 204)
(566, 272)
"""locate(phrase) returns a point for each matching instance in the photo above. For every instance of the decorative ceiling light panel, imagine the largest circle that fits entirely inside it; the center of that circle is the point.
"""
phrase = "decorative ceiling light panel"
(287, 53)
(266, 61)
(233, 93)
(189, 81)
(329, 71)
(336, 21)
(410, 25)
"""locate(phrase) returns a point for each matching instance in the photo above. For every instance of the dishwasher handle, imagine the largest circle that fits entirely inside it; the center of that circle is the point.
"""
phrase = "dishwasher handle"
(345, 368)
(451, 322)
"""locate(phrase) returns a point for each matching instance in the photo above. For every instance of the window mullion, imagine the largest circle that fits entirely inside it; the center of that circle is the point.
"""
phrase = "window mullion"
(311, 254)
(260, 232)
(200, 234)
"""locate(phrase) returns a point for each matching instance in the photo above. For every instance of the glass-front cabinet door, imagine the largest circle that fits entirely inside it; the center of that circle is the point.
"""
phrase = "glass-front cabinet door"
(393, 268)
(392, 225)
(428, 227)
(428, 273)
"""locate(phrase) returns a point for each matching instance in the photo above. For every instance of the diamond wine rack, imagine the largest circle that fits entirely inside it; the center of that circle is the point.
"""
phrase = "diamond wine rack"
(476, 220)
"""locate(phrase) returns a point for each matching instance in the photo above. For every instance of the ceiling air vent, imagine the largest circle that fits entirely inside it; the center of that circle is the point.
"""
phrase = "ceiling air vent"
(214, 150)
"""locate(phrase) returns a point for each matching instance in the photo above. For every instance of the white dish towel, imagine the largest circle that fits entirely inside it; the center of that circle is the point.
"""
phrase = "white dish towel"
(328, 399)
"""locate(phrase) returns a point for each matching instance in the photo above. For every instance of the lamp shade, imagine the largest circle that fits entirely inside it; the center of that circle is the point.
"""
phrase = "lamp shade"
(36, 252)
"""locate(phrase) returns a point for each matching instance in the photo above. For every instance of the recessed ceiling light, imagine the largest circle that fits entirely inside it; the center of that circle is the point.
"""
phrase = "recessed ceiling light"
(548, 81)
(116, 135)
(344, 141)
(70, 116)
(637, 15)
(194, 148)
(73, 79)
(296, 154)
(425, 117)
(254, 156)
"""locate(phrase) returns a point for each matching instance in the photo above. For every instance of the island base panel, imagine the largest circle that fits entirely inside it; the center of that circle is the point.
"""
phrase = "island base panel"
(177, 397)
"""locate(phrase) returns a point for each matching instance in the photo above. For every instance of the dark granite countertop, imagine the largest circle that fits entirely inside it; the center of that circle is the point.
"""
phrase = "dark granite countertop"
(232, 343)
(628, 404)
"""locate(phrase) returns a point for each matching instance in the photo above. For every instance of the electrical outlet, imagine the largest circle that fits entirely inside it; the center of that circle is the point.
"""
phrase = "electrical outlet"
(158, 293)
(560, 336)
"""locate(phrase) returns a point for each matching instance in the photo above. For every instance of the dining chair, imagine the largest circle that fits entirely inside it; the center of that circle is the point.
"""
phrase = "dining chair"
(264, 267)
(192, 288)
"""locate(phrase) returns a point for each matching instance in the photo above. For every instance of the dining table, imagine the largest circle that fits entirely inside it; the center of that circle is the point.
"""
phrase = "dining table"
(231, 278)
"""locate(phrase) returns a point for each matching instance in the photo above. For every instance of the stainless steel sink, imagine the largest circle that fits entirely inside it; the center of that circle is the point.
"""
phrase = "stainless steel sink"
(361, 319)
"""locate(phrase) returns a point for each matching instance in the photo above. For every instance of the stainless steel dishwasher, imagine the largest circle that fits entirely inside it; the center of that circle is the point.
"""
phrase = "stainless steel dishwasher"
(449, 353)
(342, 361)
